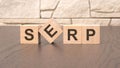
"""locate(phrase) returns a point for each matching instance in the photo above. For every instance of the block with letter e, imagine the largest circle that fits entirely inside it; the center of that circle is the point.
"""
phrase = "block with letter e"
(29, 34)
(50, 30)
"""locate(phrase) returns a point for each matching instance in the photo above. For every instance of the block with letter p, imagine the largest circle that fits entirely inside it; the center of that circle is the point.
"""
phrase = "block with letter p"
(50, 30)
(90, 34)
(29, 34)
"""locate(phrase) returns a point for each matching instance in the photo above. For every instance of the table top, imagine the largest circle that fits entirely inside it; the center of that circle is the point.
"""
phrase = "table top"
(58, 55)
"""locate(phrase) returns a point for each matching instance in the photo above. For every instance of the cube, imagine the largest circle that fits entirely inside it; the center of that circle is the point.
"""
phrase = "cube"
(72, 34)
(90, 34)
(29, 34)
(50, 30)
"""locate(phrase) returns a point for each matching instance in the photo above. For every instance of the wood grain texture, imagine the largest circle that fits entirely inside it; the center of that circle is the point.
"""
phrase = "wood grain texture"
(58, 55)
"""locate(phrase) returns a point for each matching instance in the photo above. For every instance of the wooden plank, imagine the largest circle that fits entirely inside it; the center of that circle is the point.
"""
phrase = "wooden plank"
(58, 55)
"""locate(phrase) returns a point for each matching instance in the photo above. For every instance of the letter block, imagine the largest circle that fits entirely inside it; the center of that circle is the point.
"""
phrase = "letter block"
(50, 30)
(90, 34)
(29, 34)
(72, 34)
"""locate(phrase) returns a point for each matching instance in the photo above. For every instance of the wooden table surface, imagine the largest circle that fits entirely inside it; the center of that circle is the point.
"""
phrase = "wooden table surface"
(58, 55)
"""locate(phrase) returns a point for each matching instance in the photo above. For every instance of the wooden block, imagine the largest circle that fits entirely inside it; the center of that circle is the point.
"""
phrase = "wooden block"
(91, 34)
(50, 30)
(72, 34)
(29, 34)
